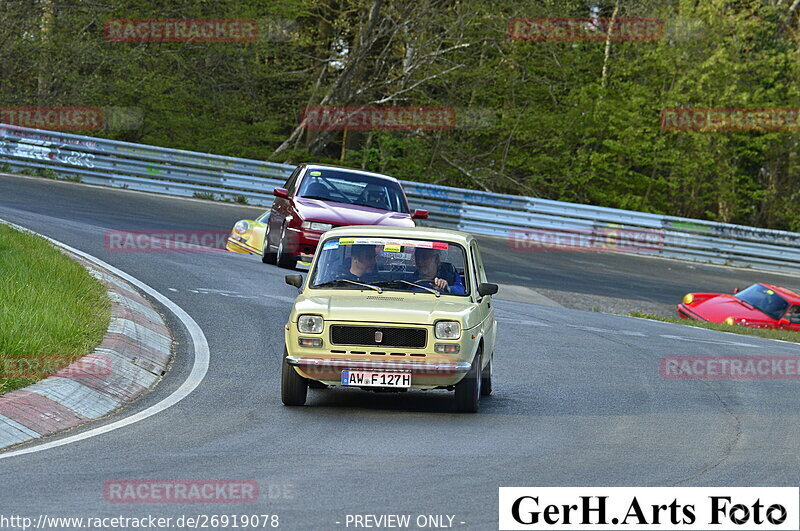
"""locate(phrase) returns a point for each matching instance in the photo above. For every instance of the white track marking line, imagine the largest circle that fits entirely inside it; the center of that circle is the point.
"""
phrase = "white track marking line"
(523, 322)
(710, 341)
(196, 376)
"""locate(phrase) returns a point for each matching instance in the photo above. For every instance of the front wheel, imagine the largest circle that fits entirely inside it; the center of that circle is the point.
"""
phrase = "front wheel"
(294, 387)
(486, 377)
(468, 390)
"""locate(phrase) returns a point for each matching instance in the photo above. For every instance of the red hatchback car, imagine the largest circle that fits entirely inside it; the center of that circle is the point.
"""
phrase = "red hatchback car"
(759, 306)
(315, 199)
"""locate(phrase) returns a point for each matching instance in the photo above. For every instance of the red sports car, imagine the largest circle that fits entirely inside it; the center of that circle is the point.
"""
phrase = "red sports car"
(759, 306)
(315, 199)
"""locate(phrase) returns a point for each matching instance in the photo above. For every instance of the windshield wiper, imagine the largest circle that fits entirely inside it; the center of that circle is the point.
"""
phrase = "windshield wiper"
(335, 282)
(388, 282)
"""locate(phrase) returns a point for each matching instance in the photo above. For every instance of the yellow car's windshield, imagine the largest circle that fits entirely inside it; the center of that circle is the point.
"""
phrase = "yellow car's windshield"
(391, 264)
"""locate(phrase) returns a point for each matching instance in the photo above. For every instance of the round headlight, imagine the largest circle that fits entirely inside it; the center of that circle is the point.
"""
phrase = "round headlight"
(448, 330)
(729, 321)
(688, 298)
(241, 227)
(309, 324)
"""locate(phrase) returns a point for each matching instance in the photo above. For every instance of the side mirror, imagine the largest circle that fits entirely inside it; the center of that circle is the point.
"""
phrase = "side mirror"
(735, 291)
(784, 322)
(281, 192)
(419, 214)
(294, 280)
(487, 289)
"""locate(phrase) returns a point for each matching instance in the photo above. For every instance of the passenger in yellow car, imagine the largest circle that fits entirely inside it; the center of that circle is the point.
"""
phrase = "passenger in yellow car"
(363, 267)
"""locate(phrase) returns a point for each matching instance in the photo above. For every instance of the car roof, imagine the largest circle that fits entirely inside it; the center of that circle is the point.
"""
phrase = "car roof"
(427, 233)
(793, 297)
(350, 170)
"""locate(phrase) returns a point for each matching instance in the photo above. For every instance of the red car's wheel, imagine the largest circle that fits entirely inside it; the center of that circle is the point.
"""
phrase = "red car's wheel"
(284, 257)
(267, 255)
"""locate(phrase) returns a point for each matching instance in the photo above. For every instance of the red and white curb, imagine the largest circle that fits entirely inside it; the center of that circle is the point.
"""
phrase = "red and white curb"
(134, 353)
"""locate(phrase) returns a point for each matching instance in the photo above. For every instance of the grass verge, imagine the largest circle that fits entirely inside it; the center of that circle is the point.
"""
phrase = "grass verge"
(785, 335)
(52, 311)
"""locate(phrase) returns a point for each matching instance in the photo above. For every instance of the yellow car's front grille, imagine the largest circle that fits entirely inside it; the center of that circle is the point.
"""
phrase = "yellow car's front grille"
(378, 336)
(364, 352)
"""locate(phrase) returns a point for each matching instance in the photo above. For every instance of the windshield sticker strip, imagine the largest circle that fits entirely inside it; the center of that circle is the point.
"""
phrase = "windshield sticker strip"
(330, 245)
(392, 244)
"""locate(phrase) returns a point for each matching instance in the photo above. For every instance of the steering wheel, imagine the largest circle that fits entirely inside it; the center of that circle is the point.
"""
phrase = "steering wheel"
(428, 283)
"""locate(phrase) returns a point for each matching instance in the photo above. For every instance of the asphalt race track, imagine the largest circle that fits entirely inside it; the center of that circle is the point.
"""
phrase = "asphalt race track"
(578, 401)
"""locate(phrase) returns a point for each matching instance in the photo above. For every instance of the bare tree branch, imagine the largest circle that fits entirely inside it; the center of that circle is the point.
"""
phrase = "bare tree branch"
(466, 172)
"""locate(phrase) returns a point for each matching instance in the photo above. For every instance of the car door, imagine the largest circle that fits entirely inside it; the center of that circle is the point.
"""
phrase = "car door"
(793, 316)
(282, 208)
(486, 307)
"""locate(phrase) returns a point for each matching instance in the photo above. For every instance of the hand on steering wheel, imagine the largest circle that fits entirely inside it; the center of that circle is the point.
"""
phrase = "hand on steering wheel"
(437, 283)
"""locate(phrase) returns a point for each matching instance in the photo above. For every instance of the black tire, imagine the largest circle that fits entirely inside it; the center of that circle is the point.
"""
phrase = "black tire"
(284, 259)
(294, 387)
(468, 390)
(268, 256)
(486, 377)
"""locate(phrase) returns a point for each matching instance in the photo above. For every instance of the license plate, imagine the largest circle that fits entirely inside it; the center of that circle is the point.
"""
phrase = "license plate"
(376, 379)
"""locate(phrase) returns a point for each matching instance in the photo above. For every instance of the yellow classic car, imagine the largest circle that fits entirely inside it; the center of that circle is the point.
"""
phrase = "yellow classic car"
(392, 309)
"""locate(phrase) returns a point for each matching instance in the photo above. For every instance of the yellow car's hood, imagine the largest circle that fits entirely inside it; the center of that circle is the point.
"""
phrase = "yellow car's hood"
(386, 307)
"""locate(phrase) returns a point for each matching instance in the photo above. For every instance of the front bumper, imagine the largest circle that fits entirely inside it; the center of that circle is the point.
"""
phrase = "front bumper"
(303, 243)
(423, 375)
(239, 246)
(414, 368)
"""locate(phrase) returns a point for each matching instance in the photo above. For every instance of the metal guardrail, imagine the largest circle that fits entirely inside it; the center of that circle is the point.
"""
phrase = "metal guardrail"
(528, 223)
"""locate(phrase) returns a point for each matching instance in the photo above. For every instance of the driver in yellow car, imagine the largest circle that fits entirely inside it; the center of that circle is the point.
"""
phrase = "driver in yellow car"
(428, 261)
